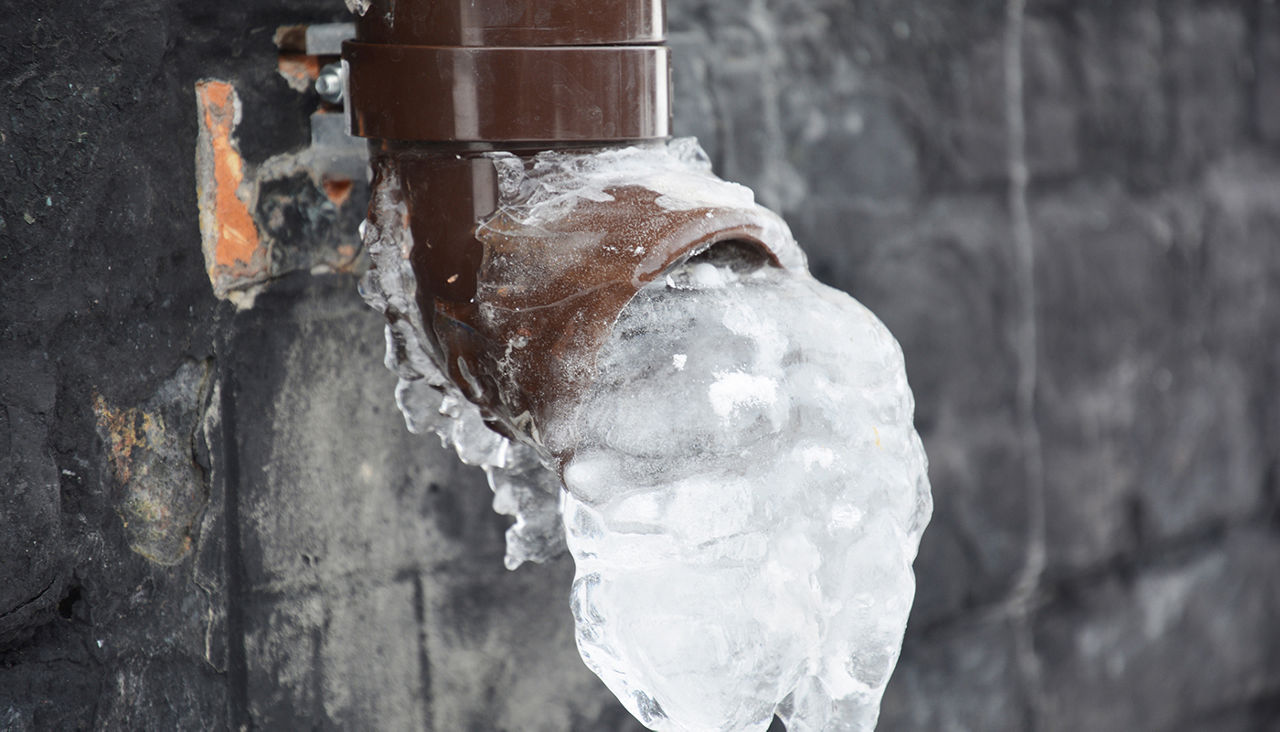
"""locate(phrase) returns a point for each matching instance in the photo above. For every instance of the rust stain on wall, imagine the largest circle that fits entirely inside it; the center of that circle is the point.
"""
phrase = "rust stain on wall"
(338, 190)
(296, 210)
(123, 433)
(236, 257)
(159, 489)
(299, 70)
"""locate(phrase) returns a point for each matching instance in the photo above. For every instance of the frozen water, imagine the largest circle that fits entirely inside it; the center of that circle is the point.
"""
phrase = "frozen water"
(359, 7)
(522, 487)
(743, 490)
(680, 172)
(744, 499)
(553, 183)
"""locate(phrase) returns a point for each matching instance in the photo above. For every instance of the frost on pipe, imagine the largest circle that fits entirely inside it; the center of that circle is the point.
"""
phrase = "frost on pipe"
(743, 490)
(523, 486)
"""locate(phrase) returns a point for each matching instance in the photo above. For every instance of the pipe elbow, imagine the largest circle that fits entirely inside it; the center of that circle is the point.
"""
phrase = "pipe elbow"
(518, 300)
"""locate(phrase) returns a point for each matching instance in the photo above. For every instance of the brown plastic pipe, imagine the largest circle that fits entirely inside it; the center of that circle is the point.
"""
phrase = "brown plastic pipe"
(435, 84)
(504, 71)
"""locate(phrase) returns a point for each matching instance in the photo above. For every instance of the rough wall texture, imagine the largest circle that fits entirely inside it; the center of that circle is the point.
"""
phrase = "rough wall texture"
(1068, 212)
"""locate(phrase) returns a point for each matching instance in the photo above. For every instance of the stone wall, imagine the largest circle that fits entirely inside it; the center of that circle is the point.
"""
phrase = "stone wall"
(1068, 212)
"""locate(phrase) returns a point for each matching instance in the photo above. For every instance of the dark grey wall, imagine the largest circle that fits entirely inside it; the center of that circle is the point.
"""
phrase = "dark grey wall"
(1095, 350)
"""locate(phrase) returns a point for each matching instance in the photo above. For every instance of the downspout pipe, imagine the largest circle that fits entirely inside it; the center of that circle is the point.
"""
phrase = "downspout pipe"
(511, 74)
(439, 86)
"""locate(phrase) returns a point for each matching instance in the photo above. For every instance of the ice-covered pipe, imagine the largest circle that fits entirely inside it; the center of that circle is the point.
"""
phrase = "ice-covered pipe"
(724, 444)
(437, 86)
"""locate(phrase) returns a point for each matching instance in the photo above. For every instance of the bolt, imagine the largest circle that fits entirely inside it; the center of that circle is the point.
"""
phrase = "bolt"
(329, 84)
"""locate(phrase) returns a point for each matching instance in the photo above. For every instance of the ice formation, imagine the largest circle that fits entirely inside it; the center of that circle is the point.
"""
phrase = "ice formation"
(744, 503)
(743, 489)
(524, 487)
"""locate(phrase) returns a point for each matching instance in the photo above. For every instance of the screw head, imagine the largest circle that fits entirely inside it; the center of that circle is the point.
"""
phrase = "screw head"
(329, 84)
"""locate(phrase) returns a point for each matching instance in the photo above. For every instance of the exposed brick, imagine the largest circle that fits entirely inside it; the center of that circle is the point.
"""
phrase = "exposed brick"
(1242, 223)
(372, 656)
(852, 148)
(966, 680)
(327, 440)
(1267, 68)
(1208, 67)
(1125, 127)
(1179, 641)
(1051, 101)
(283, 637)
(1114, 316)
(31, 552)
(158, 691)
(976, 127)
(501, 645)
(940, 279)
(693, 102)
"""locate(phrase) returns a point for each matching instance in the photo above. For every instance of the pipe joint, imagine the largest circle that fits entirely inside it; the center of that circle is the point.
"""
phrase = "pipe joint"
(575, 71)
